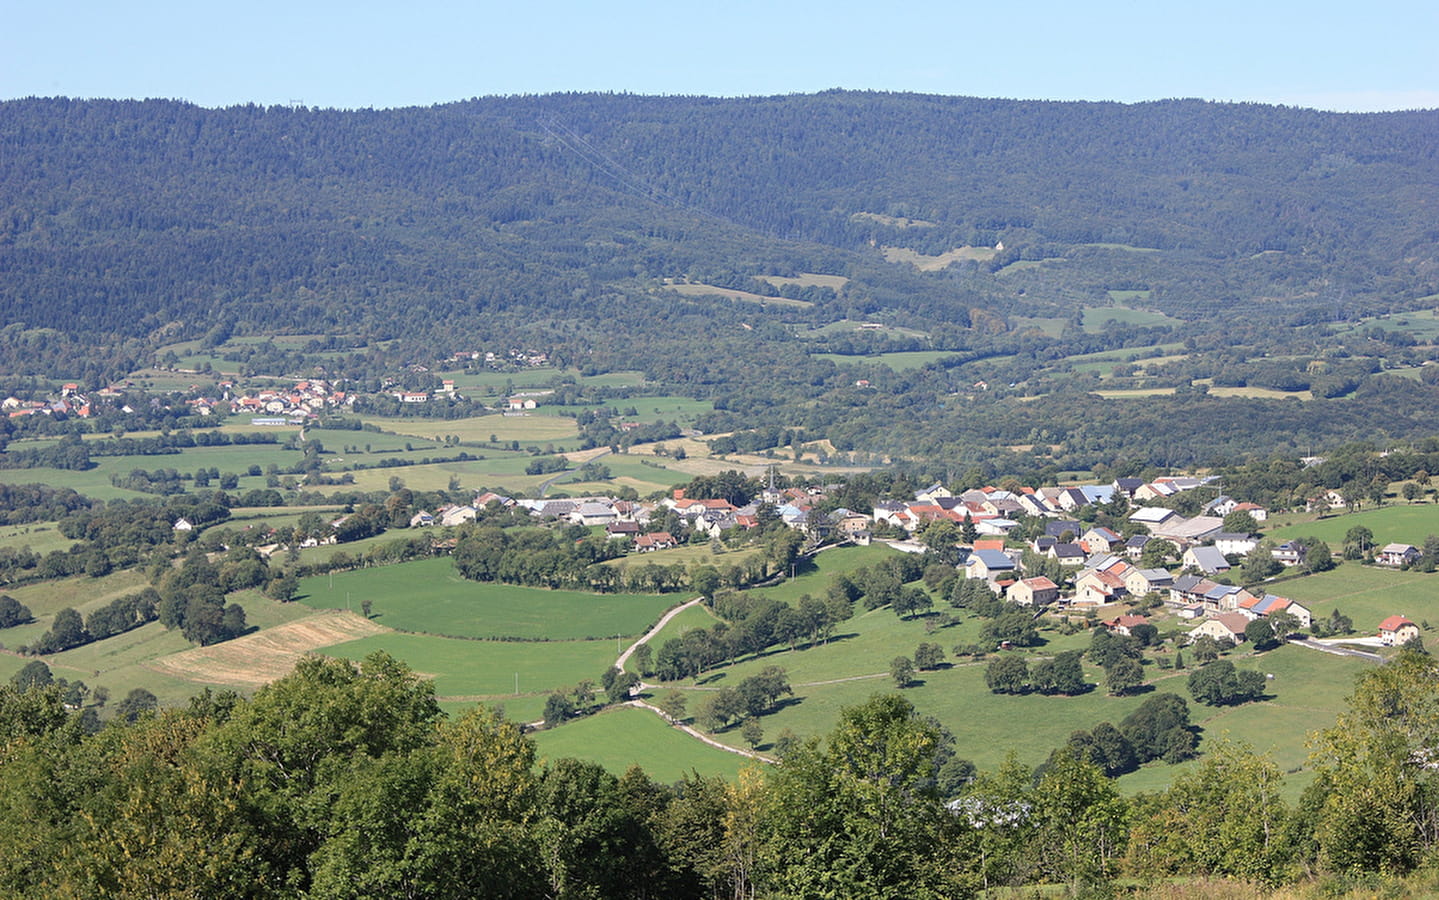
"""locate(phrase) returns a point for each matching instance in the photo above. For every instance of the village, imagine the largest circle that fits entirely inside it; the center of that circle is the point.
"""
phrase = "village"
(1077, 568)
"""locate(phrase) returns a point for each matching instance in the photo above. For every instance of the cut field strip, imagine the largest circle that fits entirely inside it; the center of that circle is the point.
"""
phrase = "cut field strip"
(257, 659)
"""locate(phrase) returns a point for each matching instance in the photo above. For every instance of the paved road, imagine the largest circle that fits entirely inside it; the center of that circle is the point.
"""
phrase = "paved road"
(1337, 651)
(664, 620)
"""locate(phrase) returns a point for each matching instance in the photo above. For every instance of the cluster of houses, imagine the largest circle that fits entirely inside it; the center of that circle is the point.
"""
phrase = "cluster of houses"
(305, 400)
(71, 401)
(629, 520)
(493, 360)
(1106, 565)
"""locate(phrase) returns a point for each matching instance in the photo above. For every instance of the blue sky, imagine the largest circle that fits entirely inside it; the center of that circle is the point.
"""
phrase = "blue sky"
(1342, 56)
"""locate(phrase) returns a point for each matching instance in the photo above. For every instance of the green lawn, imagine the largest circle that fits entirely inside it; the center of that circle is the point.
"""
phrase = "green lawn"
(488, 669)
(620, 738)
(430, 597)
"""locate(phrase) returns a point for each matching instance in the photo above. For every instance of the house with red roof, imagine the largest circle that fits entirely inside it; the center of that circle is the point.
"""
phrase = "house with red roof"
(1397, 630)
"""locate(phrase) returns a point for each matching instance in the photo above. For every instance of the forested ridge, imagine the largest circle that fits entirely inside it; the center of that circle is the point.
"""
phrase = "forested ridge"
(558, 222)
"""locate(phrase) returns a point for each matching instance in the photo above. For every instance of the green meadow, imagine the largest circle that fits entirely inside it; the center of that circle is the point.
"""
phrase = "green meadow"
(489, 670)
(620, 738)
(1401, 523)
(1366, 594)
(429, 596)
(534, 427)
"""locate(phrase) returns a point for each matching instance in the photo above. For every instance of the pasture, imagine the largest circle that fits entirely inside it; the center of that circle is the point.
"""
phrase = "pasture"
(709, 290)
(1402, 523)
(535, 427)
(686, 555)
(620, 738)
(926, 263)
(681, 410)
(1366, 594)
(1307, 693)
(473, 671)
(809, 279)
(429, 597)
(40, 537)
(1096, 318)
(687, 620)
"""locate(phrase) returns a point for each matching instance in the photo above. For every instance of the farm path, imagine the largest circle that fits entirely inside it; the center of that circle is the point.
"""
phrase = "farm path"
(640, 704)
(549, 482)
(664, 620)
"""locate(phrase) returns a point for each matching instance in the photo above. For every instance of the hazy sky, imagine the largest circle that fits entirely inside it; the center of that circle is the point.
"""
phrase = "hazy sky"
(1330, 55)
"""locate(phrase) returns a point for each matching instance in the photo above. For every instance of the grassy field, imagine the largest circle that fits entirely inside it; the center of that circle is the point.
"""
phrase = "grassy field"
(815, 577)
(1133, 393)
(430, 597)
(687, 555)
(487, 670)
(681, 410)
(1259, 393)
(901, 361)
(1051, 327)
(1095, 317)
(1367, 594)
(708, 290)
(40, 537)
(1402, 523)
(507, 471)
(1307, 692)
(934, 263)
(1127, 297)
(620, 738)
(536, 427)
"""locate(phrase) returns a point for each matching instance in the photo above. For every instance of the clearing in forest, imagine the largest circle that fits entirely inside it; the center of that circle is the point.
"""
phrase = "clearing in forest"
(259, 658)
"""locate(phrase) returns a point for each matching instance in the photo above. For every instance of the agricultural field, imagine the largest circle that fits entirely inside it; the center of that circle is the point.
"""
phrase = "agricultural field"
(496, 470)
(620, 738)
(686, 555)
(429, 597)
(535, 427)
(900, 361)
(1367, 595)
(681, 410)
(256, 659)
(1402, 523)
(708, 290)
(473, 671)
(1096, 317)
(1307, 693)
(935, 263)
(40, 537)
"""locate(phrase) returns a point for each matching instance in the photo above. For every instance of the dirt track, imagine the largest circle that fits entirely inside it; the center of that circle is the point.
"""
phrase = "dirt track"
(260, 658)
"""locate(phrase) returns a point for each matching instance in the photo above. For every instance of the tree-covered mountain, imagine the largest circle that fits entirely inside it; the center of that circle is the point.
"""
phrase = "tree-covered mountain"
(560, 221)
